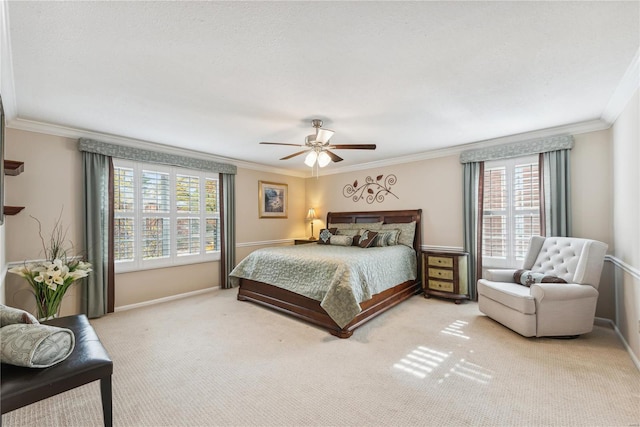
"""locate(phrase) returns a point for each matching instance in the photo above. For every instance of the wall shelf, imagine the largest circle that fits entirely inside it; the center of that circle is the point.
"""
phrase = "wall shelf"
(13, 167)
(12, 210)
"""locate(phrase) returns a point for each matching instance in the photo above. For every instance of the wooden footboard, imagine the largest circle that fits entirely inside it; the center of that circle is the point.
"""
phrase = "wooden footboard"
(311, 311)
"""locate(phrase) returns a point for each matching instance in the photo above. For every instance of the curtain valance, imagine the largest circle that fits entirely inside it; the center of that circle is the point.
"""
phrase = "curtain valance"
(518, 149)
(150, 156)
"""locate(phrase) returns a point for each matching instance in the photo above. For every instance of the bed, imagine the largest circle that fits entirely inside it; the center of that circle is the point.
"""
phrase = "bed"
(311, 309)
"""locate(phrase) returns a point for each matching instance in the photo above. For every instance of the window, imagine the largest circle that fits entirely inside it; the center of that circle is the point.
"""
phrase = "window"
(511, 210)
(164, 216)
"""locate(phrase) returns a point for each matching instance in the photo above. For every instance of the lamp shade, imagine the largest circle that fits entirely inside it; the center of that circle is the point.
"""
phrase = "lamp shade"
(310, 160)
(323, 159)
(324, 135)
(311, 214)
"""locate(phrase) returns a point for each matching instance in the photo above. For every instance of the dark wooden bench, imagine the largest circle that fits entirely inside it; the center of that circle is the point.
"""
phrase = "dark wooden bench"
(88, 362)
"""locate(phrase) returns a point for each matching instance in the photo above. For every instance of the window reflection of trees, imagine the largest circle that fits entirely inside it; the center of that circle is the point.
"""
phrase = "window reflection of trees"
(170, 202)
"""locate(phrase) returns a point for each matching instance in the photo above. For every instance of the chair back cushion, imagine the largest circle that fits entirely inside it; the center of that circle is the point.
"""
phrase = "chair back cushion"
(572, 259)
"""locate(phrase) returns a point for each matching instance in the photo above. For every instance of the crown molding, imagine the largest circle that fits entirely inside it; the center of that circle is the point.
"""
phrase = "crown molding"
(570, 129)
(6, 66)
(75, 133)
(624, 91)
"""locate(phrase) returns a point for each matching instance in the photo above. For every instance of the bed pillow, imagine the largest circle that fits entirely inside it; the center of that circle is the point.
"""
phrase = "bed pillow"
(341, 240)
(325, 235)
(407, 232)
(356, 226)
(11, 315)
(35, 346)
(386, 238)
(347, 231)
(528, 278)
(366, 238)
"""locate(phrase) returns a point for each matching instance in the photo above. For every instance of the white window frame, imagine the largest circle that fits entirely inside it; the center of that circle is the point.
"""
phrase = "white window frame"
(138, 263)
(510, 260)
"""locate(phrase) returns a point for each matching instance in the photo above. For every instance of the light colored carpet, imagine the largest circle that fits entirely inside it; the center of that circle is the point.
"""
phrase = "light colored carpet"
(212, 360)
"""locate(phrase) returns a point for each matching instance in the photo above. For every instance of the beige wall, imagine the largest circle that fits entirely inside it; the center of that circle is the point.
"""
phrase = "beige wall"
(626, 222)
(591, 184)
(49, 185)
(433, 185)
(591, 204)
(52, 182)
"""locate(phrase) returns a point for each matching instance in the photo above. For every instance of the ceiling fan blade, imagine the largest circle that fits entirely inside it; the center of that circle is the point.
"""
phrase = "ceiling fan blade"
(354, 147)
(334, 156)
(324, 135)
(282, 143)
(294, 154)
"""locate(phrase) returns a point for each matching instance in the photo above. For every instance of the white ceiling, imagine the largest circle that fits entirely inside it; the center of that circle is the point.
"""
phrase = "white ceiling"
(219, 77)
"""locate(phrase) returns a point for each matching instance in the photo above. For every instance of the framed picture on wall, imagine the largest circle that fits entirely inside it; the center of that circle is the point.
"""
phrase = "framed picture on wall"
(273, 199)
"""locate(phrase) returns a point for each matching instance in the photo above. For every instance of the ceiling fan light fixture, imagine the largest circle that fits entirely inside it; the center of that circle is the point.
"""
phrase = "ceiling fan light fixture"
(323, 159)
(317, 148)
(310, 160)
(324, 135)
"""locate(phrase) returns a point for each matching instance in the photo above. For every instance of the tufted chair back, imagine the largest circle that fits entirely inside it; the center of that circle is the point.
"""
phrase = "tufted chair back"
(572, 259)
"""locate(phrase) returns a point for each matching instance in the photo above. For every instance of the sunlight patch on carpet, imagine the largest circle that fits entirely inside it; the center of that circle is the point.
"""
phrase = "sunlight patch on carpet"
(455, 329)
(421, 361)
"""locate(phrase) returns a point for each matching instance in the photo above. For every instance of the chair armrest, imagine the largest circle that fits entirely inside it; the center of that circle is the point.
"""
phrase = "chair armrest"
(500, 275)
(562, 291)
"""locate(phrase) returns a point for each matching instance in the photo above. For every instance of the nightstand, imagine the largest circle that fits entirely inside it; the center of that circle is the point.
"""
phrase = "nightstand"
(304, 241)
(444, 274)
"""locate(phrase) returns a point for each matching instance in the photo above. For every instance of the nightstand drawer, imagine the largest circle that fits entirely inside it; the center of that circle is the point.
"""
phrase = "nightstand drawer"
(444, 274)
(439, 273)
(440, 285)
(440, 261)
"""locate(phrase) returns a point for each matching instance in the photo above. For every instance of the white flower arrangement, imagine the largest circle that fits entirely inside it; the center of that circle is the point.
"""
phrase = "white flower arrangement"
(50, 279)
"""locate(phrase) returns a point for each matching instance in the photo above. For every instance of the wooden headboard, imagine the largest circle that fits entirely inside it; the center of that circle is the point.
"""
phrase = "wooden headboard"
(387, 217)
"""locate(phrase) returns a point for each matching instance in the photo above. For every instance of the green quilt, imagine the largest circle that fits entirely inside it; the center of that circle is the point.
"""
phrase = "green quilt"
(337, 276)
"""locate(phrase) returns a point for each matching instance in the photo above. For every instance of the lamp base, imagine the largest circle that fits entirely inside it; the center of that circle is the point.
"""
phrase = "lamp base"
(313, 238)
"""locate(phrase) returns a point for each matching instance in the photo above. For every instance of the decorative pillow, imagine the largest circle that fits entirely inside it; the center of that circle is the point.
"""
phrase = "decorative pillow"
(325, 235)
(528, 278)
(394, 235)
(366, 238)
(35, 346)
(386, 238)
(356, 240)
(341, 240)
(407, 232)
(11, 315)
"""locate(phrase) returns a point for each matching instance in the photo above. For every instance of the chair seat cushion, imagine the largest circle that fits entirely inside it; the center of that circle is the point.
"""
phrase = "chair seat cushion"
(512, 295)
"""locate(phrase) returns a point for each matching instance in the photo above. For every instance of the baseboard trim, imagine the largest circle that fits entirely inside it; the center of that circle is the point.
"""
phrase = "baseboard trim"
(165, 299)
(608, 322)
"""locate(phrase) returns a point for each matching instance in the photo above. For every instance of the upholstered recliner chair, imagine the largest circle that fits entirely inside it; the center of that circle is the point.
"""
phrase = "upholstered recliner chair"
(547, 309)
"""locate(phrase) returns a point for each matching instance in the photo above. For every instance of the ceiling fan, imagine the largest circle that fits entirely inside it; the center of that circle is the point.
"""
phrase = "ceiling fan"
(318, 147)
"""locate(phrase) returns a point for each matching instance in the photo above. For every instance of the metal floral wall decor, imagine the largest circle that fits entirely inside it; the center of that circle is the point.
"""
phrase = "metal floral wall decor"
(372, 190)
